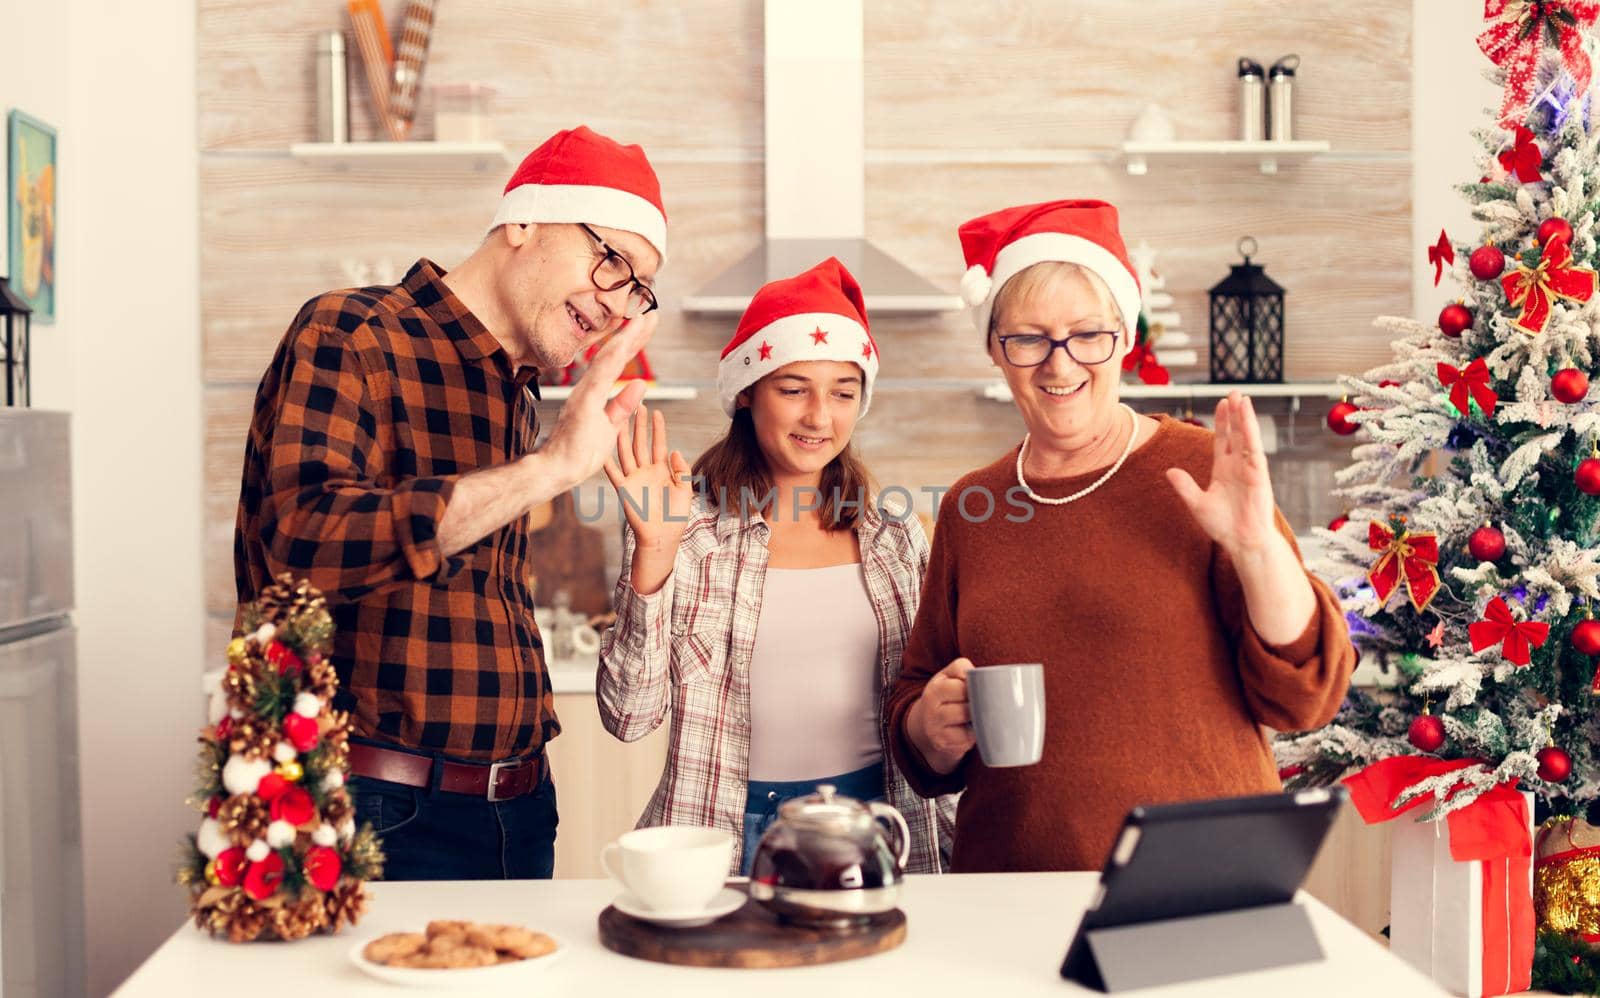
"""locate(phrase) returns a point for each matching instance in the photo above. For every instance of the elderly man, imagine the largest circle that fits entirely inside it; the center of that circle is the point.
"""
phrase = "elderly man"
(391, 461)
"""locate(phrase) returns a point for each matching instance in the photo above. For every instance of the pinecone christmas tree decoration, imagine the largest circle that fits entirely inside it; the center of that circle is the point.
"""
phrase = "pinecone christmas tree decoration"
(278, 854)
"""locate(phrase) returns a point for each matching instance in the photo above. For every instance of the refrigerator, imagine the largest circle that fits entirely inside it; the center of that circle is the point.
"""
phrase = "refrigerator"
(41, 842)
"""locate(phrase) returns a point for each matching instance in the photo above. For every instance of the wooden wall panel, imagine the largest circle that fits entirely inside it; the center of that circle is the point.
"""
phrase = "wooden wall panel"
(1034, 74)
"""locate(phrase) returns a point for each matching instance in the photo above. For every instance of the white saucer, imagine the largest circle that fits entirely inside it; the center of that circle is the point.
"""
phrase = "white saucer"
(726, 902)
(500, 975)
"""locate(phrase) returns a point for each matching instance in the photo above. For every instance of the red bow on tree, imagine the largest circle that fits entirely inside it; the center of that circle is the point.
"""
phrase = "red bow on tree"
(1412, 557)
(1514, 638)
(1440, 254)
(1524, 158)
(1555, 276)
(1473, 381)
(1516, 41)
(1143, 360)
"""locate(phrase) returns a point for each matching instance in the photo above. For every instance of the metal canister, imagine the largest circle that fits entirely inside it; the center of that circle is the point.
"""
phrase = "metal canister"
(333, 87)
(1252, 100)
(1280, 98)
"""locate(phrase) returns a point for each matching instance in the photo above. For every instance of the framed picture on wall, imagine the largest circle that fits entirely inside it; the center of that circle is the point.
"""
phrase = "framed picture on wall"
(31, 213)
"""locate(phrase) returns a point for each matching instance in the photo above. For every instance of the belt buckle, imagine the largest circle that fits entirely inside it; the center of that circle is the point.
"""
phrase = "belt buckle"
(494, 778)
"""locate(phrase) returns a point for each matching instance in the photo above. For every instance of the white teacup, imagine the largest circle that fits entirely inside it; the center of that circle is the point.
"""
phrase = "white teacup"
(671, 867)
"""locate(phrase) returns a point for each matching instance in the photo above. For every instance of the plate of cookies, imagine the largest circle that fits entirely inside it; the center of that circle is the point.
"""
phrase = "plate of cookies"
(456, 954)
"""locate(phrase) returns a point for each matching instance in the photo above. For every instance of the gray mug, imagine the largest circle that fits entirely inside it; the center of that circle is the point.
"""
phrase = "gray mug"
(1007, 704)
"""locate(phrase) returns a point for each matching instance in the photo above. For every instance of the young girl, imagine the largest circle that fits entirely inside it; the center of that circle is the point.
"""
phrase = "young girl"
(767, 603)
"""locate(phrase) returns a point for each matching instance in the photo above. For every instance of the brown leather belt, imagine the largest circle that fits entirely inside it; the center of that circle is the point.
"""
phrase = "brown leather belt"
(492, 781)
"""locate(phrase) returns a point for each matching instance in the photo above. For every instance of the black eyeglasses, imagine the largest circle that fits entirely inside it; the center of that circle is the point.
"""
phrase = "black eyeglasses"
(614, 271)
(1032, 349)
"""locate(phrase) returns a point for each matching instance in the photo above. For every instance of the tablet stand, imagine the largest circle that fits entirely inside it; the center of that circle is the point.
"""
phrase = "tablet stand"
(1170, 951)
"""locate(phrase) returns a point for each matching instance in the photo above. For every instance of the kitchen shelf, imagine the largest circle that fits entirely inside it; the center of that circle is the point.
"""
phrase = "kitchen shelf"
(1266, 154)
(652, 393)
(999, 391)
(477, 155)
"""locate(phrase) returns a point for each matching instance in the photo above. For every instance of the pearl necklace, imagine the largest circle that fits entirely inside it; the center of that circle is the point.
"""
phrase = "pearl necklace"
(1045, 500)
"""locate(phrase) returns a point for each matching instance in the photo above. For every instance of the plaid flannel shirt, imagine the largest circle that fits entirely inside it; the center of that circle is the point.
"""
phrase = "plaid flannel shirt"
(376, 402)
(687, 647)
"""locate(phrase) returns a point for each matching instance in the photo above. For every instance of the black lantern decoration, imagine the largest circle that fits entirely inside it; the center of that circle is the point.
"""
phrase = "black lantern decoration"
(1246, 324)
(15, 319)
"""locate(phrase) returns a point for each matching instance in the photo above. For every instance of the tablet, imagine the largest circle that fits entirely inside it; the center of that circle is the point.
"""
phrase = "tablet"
(1179, 860)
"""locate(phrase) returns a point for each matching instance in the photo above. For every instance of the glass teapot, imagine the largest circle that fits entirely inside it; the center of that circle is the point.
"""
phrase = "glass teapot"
(828, 860)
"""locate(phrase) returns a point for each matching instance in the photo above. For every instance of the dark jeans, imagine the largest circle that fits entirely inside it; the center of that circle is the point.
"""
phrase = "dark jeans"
(444, 836)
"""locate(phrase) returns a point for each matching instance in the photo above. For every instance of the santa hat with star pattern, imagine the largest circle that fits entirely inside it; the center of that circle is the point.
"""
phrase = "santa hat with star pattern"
(1002, 244)
(579, 175)
(816, 315)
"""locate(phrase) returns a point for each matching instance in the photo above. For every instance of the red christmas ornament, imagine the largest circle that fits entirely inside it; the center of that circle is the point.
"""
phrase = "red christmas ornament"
(1338, 522)
(213, 806)
(1555, 764)
(1339, 418)
(1487, 543)
(1569, 385)
(1427, 733)
(1487, 262)
(1555, 225)
(280, 655)
(302, 732)
(295, 806)
(1588, 476)
(261, 879)
(1388, 383)
(322, 867)
(230, 866)
(1454, 319)
(224, 728)
(271, 787)
(1586, 637)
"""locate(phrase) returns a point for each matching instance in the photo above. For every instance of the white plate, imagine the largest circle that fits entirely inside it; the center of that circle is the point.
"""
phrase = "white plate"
(501, 975)
(726, 902)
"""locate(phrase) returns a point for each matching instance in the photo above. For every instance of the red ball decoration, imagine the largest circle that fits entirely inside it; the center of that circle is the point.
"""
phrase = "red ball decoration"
(1338, 522)
(1588, 476)
(1339, 418)
(302, 732)
(1586, 637)
(1388, 383)
(1486, 263)
(1569, 385)
(231, 864)
(1555, 226)
(271, 787)
(1427, 733)
(1454, 319)
(322, 867)
(261, 879)
(1487, 543)
(1555, 764)
(295, 806)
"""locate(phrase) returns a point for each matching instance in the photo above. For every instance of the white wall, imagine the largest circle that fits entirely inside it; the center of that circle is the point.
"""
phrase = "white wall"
(1449, 98)
(117, 79)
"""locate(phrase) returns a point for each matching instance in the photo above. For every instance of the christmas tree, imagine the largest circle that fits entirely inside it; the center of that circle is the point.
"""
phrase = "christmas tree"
(1469, 559)
(277, 855)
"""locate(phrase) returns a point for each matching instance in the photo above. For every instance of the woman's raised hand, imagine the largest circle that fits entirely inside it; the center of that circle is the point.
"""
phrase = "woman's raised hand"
(652, 484)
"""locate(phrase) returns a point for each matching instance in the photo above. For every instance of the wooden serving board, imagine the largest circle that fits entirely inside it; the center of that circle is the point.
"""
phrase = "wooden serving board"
(750, 937)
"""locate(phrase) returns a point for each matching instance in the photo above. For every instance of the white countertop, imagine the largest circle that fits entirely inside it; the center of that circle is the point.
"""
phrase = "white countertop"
(974, 936)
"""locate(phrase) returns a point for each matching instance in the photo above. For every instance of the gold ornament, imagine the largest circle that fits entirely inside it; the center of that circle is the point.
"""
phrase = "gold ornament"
(211, 873)
(237, 652)
(291, 771)
(1566, 878)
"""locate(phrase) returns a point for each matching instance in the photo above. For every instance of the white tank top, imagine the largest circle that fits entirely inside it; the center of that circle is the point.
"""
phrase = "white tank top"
(814, 676)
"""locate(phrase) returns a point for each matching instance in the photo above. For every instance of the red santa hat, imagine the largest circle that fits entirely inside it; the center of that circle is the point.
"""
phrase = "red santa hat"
(1000, 245)
(579, 175)
(817, 315)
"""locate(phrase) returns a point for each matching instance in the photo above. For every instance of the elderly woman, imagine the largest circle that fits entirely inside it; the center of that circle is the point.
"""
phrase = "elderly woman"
(1154, 579)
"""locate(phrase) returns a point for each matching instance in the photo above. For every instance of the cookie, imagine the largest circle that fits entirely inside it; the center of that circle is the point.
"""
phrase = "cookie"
(447, 926)
(385, 949)
(515, 940)
(449, 957)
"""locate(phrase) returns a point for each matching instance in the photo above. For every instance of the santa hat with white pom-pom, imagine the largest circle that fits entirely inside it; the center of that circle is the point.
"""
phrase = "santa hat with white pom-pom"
(1002, 244)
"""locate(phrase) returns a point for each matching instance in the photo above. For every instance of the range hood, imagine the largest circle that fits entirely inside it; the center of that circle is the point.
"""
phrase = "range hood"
(816, 168)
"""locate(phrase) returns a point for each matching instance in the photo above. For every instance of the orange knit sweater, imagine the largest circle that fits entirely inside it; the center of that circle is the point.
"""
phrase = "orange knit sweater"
(1155, 684)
